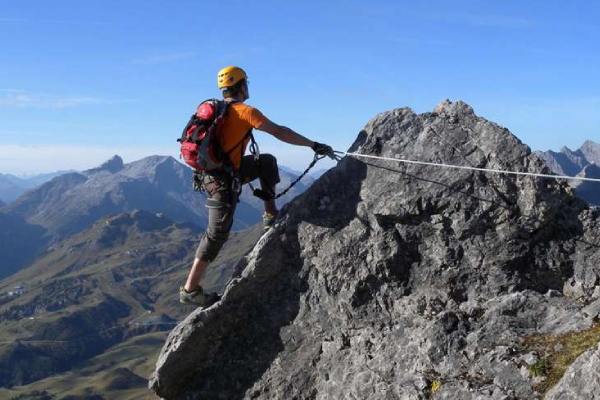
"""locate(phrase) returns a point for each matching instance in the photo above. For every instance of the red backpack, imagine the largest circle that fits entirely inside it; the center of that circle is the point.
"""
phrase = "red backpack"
(200, 147)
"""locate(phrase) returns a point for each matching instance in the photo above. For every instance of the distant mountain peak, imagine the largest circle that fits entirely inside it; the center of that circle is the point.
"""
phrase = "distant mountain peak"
(113, 165)
(591, 151)
(565, 149)
(581, 162)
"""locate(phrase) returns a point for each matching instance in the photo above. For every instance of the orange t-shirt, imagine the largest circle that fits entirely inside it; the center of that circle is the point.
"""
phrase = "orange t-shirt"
(240, 118)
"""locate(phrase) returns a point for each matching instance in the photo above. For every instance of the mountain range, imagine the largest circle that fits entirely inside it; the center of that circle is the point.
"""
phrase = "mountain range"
(72, 202)
(11, 186)
(583, 162)
(569, 162)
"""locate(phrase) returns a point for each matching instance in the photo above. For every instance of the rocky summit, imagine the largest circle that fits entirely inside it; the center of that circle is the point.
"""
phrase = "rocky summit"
(394, 281)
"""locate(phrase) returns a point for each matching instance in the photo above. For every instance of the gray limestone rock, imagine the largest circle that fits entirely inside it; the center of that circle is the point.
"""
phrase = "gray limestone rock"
(394, 281)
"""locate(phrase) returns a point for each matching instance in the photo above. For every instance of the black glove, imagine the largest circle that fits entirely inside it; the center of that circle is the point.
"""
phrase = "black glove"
(323, 149)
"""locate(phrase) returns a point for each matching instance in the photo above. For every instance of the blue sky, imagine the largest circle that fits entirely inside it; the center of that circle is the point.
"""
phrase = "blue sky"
(82, 80)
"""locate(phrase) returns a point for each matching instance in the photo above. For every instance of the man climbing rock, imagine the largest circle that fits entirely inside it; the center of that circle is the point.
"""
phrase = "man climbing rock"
(221, 187)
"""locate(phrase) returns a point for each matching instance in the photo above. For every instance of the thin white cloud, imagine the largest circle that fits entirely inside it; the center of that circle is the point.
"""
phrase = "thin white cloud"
(34, 159)
(13, 98)
(164, 58)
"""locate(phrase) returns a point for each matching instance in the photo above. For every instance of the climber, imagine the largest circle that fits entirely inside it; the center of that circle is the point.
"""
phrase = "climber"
(221, 187)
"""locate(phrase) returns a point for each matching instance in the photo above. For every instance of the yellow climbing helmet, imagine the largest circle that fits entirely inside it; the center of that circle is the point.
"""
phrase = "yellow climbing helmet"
(229, 76)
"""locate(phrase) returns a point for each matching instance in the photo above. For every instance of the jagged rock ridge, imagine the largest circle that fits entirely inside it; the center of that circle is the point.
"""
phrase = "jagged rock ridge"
(584, 161)
(569, 162)
(383, 278)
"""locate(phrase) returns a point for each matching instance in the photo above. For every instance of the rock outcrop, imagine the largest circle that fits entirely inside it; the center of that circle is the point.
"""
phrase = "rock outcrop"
(393, 281)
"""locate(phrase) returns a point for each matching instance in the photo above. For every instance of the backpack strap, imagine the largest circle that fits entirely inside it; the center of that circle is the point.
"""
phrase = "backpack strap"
(222, 107)
(253, 146)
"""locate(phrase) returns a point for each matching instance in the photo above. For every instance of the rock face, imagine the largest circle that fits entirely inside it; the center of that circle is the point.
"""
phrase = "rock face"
(392, 281)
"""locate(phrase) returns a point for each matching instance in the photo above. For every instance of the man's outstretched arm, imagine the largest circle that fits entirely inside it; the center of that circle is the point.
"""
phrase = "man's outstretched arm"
(287, 135)
(284, 134)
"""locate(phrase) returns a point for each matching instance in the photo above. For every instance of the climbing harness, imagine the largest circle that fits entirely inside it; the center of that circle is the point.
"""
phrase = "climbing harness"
(490, 170)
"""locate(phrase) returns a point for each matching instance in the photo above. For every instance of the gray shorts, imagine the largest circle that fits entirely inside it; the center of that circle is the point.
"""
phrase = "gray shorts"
(221, 200)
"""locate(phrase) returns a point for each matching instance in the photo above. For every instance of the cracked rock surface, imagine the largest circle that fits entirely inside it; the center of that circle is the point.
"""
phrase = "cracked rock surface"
(392, 281)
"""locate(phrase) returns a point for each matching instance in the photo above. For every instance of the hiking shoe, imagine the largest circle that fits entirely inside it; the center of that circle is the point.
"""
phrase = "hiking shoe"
(197, 297)
(268, 220)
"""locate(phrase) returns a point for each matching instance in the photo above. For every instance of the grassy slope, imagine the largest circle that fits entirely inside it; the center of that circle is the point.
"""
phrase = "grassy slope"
(557, 353)
(139, 268)
(138, 355)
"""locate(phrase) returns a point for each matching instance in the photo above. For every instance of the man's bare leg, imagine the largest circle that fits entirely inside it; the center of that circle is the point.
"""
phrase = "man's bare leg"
(196, 273)
(270, 207)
